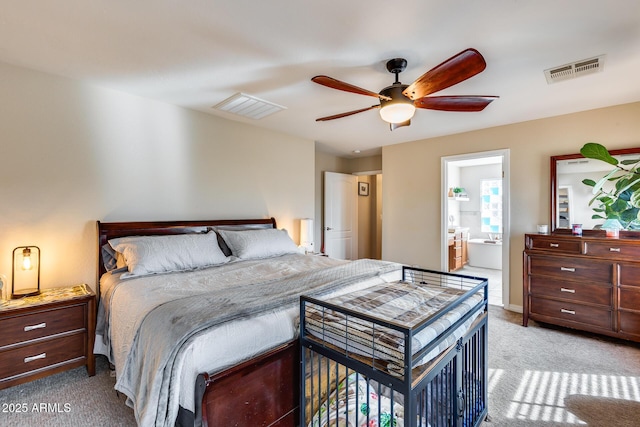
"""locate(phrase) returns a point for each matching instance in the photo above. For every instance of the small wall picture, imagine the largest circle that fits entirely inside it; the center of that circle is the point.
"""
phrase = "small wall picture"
(363, 188)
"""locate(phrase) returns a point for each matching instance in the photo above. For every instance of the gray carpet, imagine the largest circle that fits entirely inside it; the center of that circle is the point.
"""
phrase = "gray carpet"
(549, 376)
(539, 376)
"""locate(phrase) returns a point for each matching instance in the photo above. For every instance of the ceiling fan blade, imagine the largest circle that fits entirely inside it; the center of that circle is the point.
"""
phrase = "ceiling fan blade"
(463, 103)
(454, 70)
(337, 84)
(349, 113)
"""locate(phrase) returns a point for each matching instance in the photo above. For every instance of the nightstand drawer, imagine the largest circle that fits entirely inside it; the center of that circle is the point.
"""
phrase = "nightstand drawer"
(45, 353)
(601, 318)
(41, 324)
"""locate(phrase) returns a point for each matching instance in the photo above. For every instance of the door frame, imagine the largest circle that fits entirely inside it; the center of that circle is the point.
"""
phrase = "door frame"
(506, 211)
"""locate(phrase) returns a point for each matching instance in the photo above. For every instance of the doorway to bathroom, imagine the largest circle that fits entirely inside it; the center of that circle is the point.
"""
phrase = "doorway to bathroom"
(475, 219)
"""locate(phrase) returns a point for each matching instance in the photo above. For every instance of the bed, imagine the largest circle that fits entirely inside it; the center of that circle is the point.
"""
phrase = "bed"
(227, 353)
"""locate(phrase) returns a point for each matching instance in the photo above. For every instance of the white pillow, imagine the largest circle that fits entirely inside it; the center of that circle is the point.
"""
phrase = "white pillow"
(251, 244)
(163, 254)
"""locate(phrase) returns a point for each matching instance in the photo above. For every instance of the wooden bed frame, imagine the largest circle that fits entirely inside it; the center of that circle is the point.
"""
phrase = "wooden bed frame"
(262, 391)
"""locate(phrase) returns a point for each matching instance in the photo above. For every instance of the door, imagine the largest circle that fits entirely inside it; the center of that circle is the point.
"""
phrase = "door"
(340, 215)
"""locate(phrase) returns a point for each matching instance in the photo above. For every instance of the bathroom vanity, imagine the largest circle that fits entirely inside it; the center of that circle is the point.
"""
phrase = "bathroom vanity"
(457, 248)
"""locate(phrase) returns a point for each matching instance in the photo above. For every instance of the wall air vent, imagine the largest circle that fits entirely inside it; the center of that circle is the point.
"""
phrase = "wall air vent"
(249, 106)
(575, 69)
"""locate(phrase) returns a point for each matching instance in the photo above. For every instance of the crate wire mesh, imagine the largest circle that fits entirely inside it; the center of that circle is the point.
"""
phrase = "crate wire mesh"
(351, 372)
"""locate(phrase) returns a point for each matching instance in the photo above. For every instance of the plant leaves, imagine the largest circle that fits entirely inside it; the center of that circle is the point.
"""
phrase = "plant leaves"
(603, 181)
(593, 150)
(589, 182)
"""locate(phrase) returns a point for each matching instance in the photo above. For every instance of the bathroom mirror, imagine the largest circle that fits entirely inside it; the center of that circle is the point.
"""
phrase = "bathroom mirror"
(570, 197)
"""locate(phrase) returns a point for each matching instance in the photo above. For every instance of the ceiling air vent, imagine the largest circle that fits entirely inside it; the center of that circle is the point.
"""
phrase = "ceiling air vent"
(575, 69)
(248, 106)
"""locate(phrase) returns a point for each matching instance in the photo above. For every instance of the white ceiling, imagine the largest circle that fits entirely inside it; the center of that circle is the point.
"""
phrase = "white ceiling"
(197, 53)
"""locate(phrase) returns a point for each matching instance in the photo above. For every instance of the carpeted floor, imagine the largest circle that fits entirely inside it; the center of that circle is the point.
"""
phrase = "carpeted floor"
(546, 376)
(539, 377)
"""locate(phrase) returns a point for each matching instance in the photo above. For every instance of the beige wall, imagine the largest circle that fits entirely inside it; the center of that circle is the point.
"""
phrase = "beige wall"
(412, 187)
(72, 154)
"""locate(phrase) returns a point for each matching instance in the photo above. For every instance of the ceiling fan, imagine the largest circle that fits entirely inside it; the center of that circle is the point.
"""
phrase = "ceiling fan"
(398, 102)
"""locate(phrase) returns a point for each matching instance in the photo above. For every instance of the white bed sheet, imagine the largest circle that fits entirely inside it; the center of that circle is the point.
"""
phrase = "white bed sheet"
(225, 345)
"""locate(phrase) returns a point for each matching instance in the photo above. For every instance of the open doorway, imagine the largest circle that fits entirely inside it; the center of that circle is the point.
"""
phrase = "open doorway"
(475, 219)
(369, 214)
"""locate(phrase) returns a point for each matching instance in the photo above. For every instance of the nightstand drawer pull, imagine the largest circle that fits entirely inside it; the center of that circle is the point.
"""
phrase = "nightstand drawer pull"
(38, 326)
(36, 357)
(554, 245)
(562, 310)
(571, 269)
(614, 249)
(571, 291)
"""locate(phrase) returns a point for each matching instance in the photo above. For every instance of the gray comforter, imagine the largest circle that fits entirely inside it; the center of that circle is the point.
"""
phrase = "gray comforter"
(150, 368)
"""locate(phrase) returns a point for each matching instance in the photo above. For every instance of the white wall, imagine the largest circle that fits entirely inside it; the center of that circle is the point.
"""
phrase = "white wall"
(72, 154)
(412, 189)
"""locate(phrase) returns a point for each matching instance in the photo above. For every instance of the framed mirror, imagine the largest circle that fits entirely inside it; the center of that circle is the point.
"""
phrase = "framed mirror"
(570, 197)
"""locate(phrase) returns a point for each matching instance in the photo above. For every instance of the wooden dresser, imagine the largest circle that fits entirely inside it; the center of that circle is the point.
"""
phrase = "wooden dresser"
(45, 334)
(588, 283)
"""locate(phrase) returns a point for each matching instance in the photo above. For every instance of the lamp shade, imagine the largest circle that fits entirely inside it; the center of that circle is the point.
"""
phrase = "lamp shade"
(306, 234)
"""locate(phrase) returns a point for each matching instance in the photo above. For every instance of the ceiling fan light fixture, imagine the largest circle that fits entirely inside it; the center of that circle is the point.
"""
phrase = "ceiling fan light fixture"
(397, 112)
(399, 108)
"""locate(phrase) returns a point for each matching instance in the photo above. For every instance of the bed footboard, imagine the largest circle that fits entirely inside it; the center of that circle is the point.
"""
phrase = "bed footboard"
(260, 392)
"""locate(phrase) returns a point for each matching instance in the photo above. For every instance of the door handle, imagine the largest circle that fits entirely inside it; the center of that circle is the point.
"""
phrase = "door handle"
(329, 228)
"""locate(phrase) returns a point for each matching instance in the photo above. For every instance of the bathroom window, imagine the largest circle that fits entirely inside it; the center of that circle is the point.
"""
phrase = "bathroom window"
(491, 205)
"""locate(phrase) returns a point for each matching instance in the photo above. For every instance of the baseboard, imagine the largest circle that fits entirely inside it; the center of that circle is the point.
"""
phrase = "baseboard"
(514, 308)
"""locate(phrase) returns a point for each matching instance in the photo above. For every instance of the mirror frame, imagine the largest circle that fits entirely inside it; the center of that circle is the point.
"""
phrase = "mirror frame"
(554, 190)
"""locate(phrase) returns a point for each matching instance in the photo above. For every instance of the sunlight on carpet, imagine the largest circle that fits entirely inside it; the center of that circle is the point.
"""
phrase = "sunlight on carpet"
(540, 396)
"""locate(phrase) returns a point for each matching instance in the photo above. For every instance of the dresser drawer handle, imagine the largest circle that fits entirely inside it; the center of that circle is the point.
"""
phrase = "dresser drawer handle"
(567, 269)
(571, 291)
(614, 249)
(562, 310)
(36, 357)
(554, 245)
(38, 326)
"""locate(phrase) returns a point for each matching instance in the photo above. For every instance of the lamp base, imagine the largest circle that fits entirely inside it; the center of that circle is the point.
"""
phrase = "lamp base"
(25, 293)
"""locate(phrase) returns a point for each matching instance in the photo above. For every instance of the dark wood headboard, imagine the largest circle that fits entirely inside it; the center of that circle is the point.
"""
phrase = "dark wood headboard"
(111, 230)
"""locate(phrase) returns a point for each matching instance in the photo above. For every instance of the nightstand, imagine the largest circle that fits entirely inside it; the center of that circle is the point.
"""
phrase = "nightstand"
(46, 334)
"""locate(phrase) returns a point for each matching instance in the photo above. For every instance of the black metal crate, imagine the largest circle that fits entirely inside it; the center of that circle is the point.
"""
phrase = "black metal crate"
(342, 375)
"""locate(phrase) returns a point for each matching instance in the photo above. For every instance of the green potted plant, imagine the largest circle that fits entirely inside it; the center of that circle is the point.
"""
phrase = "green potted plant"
(617, 193)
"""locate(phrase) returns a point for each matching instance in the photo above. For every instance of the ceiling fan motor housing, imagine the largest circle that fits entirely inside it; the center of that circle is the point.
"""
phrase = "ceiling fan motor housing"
(396, 65)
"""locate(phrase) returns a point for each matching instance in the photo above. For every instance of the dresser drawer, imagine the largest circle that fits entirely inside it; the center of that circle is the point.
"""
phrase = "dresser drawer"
(617, 249)
(630, 324)
(573, 291)
(549, 243)
(599, 317)
(41, 324)
(571, 268)
(630, 298)
(42, 354)
(629, 274)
